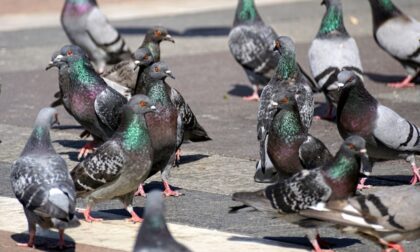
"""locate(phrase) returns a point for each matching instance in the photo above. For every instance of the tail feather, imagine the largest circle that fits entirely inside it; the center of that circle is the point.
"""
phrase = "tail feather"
(257, 200)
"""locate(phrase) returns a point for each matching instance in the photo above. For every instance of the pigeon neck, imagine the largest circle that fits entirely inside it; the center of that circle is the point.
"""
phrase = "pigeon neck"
(153, 46)
(40, 139)
(355, 99)
(332, 23)
(133, 130)
(153, 226)
(79, 6)
(286, 67)
(287, 124)
(83, 73)
(156, 90)
(246, 12)
(382, 10)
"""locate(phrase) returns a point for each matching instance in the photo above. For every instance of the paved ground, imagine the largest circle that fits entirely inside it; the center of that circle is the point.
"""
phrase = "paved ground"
(212, 83)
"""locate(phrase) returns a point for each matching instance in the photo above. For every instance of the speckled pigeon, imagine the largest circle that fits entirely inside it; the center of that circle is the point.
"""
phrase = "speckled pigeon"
(86, 96)
(42, 184)
(154, 234)
(387, 216)
(125, 73)
(388, 135)
(309, 188)
(121, 163)
(287, 76)
(87, 27)
(250, 42)
(399, 35)
(162, 124)
(332, 51)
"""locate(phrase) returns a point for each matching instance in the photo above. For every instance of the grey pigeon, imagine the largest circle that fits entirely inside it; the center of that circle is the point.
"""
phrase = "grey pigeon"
(121, 163)
(332, 51)
(154, 234)
(42, 184)
(386, 217)
(86, 96)
(162, 124)
(250, 42)
(399, 35)
(126, 73)
(287, 75)
(87, 27)
(388, 135)
(309, 188)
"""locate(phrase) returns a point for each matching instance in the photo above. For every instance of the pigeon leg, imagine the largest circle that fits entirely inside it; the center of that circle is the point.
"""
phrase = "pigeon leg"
(416, 174)
(317, 248)
(254, 96)
(323, 243)
(394, 247)
(140, 191)
(31, 241)
(88, 218)
(88, 148)
(404, 84)
(61, 243)
(134, 217)
(168, 191)
(178, 155)
(362, 186)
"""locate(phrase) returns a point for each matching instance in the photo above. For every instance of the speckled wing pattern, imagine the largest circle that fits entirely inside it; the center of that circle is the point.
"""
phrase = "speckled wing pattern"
(108, 107)
(32, 178)
(305, 101)
(101, 168)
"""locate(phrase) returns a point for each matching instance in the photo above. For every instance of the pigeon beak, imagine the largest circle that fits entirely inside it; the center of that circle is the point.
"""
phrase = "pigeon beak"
(169, 38)
(169, 73)
(273, 105)
(366, 166)
(54, 62)
(323, 2)
(50, 65)
(137, 62)
(153, 107)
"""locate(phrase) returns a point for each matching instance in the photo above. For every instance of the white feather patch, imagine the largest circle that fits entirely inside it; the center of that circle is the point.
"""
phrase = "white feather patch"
(58, 198)
(360, 221)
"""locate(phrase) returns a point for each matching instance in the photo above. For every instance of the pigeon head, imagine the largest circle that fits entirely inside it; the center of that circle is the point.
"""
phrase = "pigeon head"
(347, 78)
(329, 3)
(159, 71)
(158, 34)
(59, 58)
(48, 117)
(143, 57)
(283, 45)
(356, 145)
(283, 100)
(141, 104)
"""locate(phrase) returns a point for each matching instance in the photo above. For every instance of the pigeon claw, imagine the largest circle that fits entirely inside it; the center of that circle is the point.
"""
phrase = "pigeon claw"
(253, 97)
(140, 191)
(169, 192)
(362, 186)
(88, 148)
(406, 83)
(394, 247)
(88, 218)
(416, 175)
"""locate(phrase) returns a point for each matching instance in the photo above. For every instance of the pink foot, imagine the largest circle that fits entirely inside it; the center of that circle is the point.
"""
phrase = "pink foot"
(25, 245)
(88, 218)
(253, 97)
(406, 83)
(317, 248)
(362, 186)
(140, 191)
(135, 218)
(178, 155)
(88, 148)
(416, 175)
(31, 241)
(168, 191)
(394, 246)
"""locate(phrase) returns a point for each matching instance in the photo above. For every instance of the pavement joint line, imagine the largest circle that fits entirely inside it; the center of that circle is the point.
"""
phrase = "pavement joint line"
(116, 233)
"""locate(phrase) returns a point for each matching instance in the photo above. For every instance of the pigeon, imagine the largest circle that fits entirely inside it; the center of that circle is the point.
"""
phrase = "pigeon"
(125, 73)
(121, 163)
(162, 124)
(398, 35)
(42, 184)
(388, 135)
(154, 234)
(250, 42)
(309, 188)
(289, 146)
(387, 217)
(287, 76)
(332, 51)
(86, 26)
(86, 96)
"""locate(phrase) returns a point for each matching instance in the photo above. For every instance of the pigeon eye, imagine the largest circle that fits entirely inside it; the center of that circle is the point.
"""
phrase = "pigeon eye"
(69, 53)
(277, 44)
(285, 100)
(351, 146)
(157, 69)
(158, 33)
(142, 104)
(146, 57)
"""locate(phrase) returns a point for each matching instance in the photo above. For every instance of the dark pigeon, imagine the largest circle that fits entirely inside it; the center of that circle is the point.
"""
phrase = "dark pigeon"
(42, 184)
(332, 51)
(87, 27)
(154, 234)
(86, 96)
(388, 135)
(121, 163)
(162, 124)
(398, 35)
(287, 76)
(386, 217)
(310, 188)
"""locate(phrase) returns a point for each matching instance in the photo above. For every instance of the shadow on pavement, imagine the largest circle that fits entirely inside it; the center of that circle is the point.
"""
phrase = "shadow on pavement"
(186, 159)
(382, 78)
(303, 241)
(388, 180)
(191, 32)
(256, 240)
(75, 144)
(240, 90)
(44, 243)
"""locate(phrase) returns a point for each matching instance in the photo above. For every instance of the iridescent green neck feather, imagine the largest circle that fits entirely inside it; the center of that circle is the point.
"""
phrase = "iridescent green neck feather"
(387, 5)
(332, 21)
(342, 167)
(135, 135)
(287, 125)
(286, 67)
(157, 93)
(246, 12)
(82, 73)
